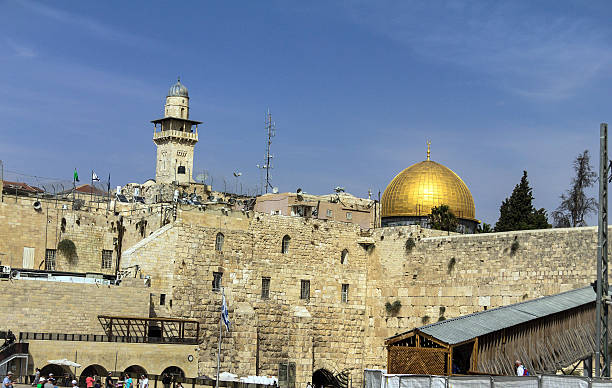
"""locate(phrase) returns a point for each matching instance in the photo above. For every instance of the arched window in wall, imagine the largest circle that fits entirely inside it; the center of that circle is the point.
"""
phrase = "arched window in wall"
(344, 256)
(285, 245)
(181, 170)
(219, 242)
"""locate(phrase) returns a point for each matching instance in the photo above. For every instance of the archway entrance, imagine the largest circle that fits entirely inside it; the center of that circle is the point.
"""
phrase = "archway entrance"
(60, 372)
(322, 378)
(174, 372)
(92, 370)
(135, 371)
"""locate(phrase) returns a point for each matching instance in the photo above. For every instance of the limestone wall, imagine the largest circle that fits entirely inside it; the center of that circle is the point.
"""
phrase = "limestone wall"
(466, 273)
(55, 307)
(92, 230)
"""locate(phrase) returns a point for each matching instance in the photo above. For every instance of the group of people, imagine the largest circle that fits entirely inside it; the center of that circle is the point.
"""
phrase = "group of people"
(92, 381)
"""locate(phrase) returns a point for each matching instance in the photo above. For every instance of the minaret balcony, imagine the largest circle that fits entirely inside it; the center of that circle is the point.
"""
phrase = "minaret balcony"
(181, 135)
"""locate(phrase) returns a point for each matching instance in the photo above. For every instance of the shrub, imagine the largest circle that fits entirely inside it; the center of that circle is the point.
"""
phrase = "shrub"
(68, 249)
(393, 308)
(410, 244)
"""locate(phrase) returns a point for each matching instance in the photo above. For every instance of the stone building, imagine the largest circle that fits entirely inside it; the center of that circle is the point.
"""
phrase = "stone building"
(313, 295)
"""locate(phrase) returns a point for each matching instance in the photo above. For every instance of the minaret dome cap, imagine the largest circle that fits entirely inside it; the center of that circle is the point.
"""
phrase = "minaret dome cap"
(178, 90)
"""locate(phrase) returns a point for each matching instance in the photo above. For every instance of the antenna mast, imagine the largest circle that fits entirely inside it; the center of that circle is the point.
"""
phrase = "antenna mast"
(271, 132)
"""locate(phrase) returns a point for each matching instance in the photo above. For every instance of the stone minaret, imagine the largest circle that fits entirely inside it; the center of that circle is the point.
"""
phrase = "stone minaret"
(175, 138)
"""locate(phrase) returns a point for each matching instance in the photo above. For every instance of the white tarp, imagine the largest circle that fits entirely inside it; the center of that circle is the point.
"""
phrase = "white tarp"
(65, 362)
(414, 381)
(379, 379)
(564, 382)
(469, 382)
(515, 382)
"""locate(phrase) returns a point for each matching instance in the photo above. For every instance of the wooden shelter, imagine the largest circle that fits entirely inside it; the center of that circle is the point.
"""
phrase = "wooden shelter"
(144, 329)
(546, 334)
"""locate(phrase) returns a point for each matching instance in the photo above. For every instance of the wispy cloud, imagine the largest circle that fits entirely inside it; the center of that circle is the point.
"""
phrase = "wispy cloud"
(15, 49)
(536, 55)
(94, 27)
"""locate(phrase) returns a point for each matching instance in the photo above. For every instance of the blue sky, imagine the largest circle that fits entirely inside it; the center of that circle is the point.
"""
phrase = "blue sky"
(355, 88)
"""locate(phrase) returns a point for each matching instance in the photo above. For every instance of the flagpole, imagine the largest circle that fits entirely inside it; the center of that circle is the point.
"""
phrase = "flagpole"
(73, 186)
(108, 194)
(219, 347)
(91, 190)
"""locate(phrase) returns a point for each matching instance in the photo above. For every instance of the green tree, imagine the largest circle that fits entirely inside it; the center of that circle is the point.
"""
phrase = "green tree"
(575, 204)
(442, 218)
(484, 228)
(518, 213)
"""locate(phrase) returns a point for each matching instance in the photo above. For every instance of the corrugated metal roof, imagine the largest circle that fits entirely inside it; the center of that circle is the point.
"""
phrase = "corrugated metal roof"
(467, 327)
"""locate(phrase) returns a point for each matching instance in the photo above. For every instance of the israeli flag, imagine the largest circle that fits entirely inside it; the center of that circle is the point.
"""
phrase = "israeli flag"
(225, 314)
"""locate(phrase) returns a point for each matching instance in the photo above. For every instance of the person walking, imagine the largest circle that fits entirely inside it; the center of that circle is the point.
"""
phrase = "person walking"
(89, 382)
(109, 380)
(36, 377)
(520, 369)
(128, 382)
(144, 381)
(7, 382)
(166, 380)
(75, 384)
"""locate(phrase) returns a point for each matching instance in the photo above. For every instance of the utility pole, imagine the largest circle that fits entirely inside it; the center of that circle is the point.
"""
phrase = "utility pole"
(602, 357)
(271, 132)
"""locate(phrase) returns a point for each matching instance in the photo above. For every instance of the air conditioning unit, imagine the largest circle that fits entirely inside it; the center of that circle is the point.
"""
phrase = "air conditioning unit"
(5, 269)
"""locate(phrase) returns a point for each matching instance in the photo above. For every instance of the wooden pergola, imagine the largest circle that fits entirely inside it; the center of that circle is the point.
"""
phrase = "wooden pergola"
(546, 334)
(145, 329)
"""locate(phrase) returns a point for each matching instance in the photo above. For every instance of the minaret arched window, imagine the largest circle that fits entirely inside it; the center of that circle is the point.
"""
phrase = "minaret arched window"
(181, 170)
(219, 242)
(285, 245)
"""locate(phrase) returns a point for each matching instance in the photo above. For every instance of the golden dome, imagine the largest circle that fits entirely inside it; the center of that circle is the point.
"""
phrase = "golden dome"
(418, 188)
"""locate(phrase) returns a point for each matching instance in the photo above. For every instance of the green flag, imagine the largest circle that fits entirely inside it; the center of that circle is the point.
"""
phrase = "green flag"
(76, 175)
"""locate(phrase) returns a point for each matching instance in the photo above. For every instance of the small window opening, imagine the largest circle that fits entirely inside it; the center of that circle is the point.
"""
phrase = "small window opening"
(345, 291)
(50, 259)
(107, 258)
(349, 215)
(305, 290)
(343, 256)
(216, 284)
(265, 287)
(219, 242)
(162, 299)
(180, 170)
(285, 245)
(330, 212)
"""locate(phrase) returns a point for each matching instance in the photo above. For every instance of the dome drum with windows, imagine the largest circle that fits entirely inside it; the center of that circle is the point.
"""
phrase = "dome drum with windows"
(411, 195)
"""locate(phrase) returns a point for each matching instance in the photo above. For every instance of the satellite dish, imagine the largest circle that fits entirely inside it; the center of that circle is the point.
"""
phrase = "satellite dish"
(237, 174)
(232, 201)
(275, 190)
(299, 191)
(211, 198)
(37, 205)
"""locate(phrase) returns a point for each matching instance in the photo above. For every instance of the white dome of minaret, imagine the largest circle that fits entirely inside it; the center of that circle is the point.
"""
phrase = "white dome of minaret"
(178, 90)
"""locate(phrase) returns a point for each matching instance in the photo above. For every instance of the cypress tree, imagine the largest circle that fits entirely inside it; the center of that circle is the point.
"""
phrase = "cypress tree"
(518, 213)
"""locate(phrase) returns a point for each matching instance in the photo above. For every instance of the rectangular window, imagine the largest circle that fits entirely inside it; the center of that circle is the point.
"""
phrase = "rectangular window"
(349, 215)
(107, 258)
(216, 284)
(50, 259)
(305, 290)
(329, 213)
(345, 290)
(162, 299)
(265, 288)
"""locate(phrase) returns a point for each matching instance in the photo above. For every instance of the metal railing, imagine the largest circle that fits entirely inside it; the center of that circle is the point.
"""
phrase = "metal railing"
(15, 348)
(24, 336)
